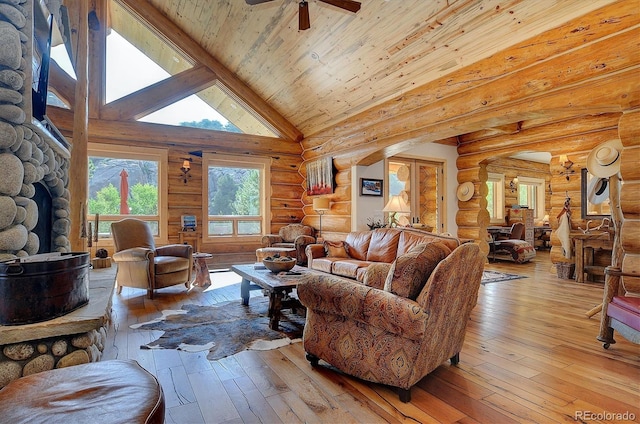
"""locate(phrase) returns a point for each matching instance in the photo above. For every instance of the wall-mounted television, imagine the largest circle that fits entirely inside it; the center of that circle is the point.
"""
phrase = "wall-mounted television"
(42, 32)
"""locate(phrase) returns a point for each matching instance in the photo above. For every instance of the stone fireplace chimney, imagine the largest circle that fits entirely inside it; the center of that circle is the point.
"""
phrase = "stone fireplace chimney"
(31, 158)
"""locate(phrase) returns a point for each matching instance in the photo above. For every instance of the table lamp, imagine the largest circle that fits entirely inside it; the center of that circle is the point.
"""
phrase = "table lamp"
(395, 205)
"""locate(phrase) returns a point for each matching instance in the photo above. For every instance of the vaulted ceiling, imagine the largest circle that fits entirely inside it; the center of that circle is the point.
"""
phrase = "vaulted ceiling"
(346, 63)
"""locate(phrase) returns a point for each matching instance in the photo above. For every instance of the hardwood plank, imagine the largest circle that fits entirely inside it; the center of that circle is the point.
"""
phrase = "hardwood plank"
(530, 355)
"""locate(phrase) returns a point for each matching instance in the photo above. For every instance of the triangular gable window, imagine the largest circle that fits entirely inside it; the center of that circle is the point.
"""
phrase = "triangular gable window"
(210, 109)
(138, 58)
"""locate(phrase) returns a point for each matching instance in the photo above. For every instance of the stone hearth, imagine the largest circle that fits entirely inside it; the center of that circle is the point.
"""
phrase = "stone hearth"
(76, 338)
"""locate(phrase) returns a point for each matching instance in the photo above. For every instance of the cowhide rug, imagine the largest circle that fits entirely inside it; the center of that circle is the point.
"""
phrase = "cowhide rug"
(495, 276)
(223, 329)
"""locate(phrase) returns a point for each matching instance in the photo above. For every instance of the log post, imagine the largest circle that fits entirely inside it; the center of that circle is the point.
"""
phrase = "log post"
(78, 170)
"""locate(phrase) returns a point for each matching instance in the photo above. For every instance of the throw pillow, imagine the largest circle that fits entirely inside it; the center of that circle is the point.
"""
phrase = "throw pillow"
(410, 272)
(335, 249)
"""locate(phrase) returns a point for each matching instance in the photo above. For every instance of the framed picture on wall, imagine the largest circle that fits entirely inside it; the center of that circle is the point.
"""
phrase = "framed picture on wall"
(188, 222)
(320, 177)
(370, 187)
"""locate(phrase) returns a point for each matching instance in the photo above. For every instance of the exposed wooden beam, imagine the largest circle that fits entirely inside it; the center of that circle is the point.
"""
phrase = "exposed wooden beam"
(159, 95)
(147, 12)
(127, 132)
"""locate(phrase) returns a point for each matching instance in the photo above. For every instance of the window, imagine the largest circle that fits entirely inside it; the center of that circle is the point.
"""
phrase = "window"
(495, 197)
(138, 56)
(141, 172)
(531, 194)
(237, 206)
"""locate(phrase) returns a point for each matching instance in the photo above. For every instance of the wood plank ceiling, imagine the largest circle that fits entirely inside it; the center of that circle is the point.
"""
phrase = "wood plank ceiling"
(347, 63)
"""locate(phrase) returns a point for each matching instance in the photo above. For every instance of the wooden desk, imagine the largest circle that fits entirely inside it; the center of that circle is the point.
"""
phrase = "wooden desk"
(585, 245)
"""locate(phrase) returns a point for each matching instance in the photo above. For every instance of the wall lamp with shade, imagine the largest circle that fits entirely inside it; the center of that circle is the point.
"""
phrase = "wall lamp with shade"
(394, 206)
(321, 205)
(514, 185)
(566, 164)
(186, 169)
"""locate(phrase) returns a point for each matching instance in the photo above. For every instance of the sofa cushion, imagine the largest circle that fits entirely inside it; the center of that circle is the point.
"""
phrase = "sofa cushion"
(323, 264)
(376, 275)
(410, 271)
(357, 244)
(349, 268)
(410, 238)
(383, 245)
(335, 249)
(625, 309)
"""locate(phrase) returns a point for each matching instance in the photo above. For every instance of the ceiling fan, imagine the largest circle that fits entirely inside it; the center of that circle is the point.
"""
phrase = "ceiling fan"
(303, 16)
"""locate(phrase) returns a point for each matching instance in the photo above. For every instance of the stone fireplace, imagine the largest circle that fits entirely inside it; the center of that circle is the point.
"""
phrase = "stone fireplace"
(30, 155)
(35, 209)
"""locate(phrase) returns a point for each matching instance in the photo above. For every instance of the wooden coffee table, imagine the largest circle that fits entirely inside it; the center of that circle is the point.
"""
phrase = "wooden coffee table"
(277, 286)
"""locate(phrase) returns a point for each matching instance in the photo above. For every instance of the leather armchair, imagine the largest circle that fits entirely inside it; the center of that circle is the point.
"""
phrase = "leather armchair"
(143, 265)
(292, 236)
(381, 330)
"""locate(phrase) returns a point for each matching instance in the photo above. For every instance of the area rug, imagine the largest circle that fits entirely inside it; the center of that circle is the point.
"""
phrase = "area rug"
(223, 329)
(495, 276)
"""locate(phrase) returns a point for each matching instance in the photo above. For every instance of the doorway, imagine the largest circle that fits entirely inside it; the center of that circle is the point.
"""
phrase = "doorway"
(420, 183)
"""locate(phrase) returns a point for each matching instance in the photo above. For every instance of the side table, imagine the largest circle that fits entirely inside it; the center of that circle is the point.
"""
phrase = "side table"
(202, 277)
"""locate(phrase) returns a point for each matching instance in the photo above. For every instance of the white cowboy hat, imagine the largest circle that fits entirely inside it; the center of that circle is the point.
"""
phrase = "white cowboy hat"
(598, 190)
(465, 191)
(604, 159)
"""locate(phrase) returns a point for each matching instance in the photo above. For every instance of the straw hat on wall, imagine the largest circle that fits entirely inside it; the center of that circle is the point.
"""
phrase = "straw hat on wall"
(598, 190)
(465, 191)
(604, 159)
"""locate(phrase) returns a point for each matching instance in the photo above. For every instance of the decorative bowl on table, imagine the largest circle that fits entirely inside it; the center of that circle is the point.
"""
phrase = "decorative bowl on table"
(278, 264)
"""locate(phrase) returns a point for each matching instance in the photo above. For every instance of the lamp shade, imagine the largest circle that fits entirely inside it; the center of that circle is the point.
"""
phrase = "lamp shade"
(321, 204)
(186, 164)
(396, 204)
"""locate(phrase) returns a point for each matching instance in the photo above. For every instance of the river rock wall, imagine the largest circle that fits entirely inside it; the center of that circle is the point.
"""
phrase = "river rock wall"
(28, 155)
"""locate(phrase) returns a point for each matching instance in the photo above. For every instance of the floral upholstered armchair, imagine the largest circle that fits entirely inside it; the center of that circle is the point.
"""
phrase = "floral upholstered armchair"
(401, 323)
(293, 236)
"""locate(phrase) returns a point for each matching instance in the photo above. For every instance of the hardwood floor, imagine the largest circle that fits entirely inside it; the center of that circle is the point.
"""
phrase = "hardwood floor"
(530, 355)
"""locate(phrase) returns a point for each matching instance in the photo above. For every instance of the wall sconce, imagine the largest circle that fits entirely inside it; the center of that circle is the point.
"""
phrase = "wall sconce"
(514, 185)
(567, 164)
(186, 168)
(321, 205)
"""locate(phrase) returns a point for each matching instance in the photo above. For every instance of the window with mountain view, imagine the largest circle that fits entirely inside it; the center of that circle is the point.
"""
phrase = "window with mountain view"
(236, 203)
(122, 186)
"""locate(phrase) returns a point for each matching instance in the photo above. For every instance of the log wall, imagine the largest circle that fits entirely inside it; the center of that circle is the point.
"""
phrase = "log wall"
(564, 97)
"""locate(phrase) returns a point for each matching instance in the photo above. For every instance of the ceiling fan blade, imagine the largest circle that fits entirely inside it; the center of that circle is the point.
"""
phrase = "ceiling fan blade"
(303, 16)
(254, 2)
(350, 5)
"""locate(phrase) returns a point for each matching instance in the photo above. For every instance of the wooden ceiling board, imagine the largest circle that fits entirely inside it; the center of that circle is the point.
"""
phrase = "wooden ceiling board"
(347, 63)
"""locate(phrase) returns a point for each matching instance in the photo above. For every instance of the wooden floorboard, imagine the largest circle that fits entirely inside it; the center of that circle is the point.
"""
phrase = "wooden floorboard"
(530, 355)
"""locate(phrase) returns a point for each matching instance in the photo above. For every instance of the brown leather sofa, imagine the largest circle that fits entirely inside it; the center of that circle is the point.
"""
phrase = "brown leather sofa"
(351, 257)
